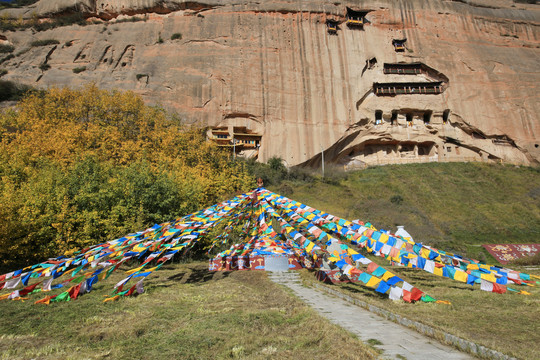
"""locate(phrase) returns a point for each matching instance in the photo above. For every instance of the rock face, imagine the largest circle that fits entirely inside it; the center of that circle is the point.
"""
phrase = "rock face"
(469, 89)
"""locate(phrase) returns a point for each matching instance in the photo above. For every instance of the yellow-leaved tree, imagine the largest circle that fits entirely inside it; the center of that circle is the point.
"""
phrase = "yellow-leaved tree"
(79, 167)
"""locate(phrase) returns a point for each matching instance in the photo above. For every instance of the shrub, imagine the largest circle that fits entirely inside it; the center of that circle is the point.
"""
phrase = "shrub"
(3, 72)
(8, 57)
(140, 76)
(176, 36)
(396, 199)
(131, 19)
(44, 42)
(44, 67)
(286, 189)
(6, 48)
(12, 91)
(79, 69)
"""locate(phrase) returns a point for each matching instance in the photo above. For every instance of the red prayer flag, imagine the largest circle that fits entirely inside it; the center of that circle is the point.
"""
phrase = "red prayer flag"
(28, 289)
(74, 291)
(416, 294)
(372, 267)
(501, 289)
(130, 292)
(406, 296)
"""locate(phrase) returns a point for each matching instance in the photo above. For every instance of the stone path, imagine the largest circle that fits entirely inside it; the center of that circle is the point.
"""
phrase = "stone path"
(397, 342)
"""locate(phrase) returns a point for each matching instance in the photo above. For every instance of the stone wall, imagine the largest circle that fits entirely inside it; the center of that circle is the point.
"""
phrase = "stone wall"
(273, 67)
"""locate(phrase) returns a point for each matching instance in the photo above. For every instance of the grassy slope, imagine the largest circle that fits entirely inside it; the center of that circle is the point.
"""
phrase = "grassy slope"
(455, 206)
(507, 322)
(186, 313)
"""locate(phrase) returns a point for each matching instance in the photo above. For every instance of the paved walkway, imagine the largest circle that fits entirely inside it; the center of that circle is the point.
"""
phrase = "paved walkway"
(398, 342)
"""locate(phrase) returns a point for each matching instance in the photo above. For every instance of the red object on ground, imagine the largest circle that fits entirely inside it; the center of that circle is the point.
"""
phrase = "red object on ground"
(508, 252)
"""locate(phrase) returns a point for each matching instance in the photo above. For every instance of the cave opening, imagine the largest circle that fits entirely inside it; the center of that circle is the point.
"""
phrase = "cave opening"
(393, 119)
(445, 116)
(378, 117)
(427, 116)
(409, 118)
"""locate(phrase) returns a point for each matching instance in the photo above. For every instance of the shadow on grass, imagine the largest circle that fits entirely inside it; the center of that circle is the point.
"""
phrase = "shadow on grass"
(199, 276)
(176, 277)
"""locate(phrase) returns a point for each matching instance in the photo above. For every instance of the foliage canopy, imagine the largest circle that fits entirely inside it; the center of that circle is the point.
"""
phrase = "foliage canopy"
(80, 167)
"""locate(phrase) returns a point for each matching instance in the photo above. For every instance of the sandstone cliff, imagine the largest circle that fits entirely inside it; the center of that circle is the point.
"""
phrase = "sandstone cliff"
(273, 68)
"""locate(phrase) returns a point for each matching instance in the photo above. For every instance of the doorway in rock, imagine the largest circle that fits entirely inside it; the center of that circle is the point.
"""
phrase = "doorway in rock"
(378, 117)
(445, 116)
(427, 116)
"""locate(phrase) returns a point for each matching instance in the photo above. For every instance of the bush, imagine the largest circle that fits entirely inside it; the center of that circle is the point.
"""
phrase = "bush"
(132, 19)
(3, 72)
(140, 76)
(44, 67)
(396, 199)
(9, 57)
(44, 42)
(176, 36)
(286, 190)
(6, 48)
(79, 69)
(12, 91)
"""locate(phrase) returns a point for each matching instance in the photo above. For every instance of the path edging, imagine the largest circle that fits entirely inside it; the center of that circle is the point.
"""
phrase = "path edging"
(461, 344)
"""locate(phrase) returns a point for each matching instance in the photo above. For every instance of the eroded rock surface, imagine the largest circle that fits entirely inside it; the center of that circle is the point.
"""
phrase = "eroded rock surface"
(273, 68)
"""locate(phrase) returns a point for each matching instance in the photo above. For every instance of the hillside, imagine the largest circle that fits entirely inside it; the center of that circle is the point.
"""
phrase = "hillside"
(454, 206)
(463, 86)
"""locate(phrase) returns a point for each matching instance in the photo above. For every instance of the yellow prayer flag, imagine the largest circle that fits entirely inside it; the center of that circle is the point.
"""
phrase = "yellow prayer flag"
(387, 275)
(489, 277)
(114, 298)
(373, 282)
(443, 302)
(134, 270)
(438, 271)
(352, 251)
(460, 276)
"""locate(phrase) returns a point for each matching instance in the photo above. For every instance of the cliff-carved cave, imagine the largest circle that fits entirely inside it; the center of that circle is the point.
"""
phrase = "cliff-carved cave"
(463, 86)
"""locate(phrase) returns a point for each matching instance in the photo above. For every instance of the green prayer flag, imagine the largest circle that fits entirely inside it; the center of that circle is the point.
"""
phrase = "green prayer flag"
(61, 297)
(427, 298)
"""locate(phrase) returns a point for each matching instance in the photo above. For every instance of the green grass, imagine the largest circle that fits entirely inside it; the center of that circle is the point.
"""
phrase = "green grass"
(504, 322)
(185, 313)
(454, 206)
